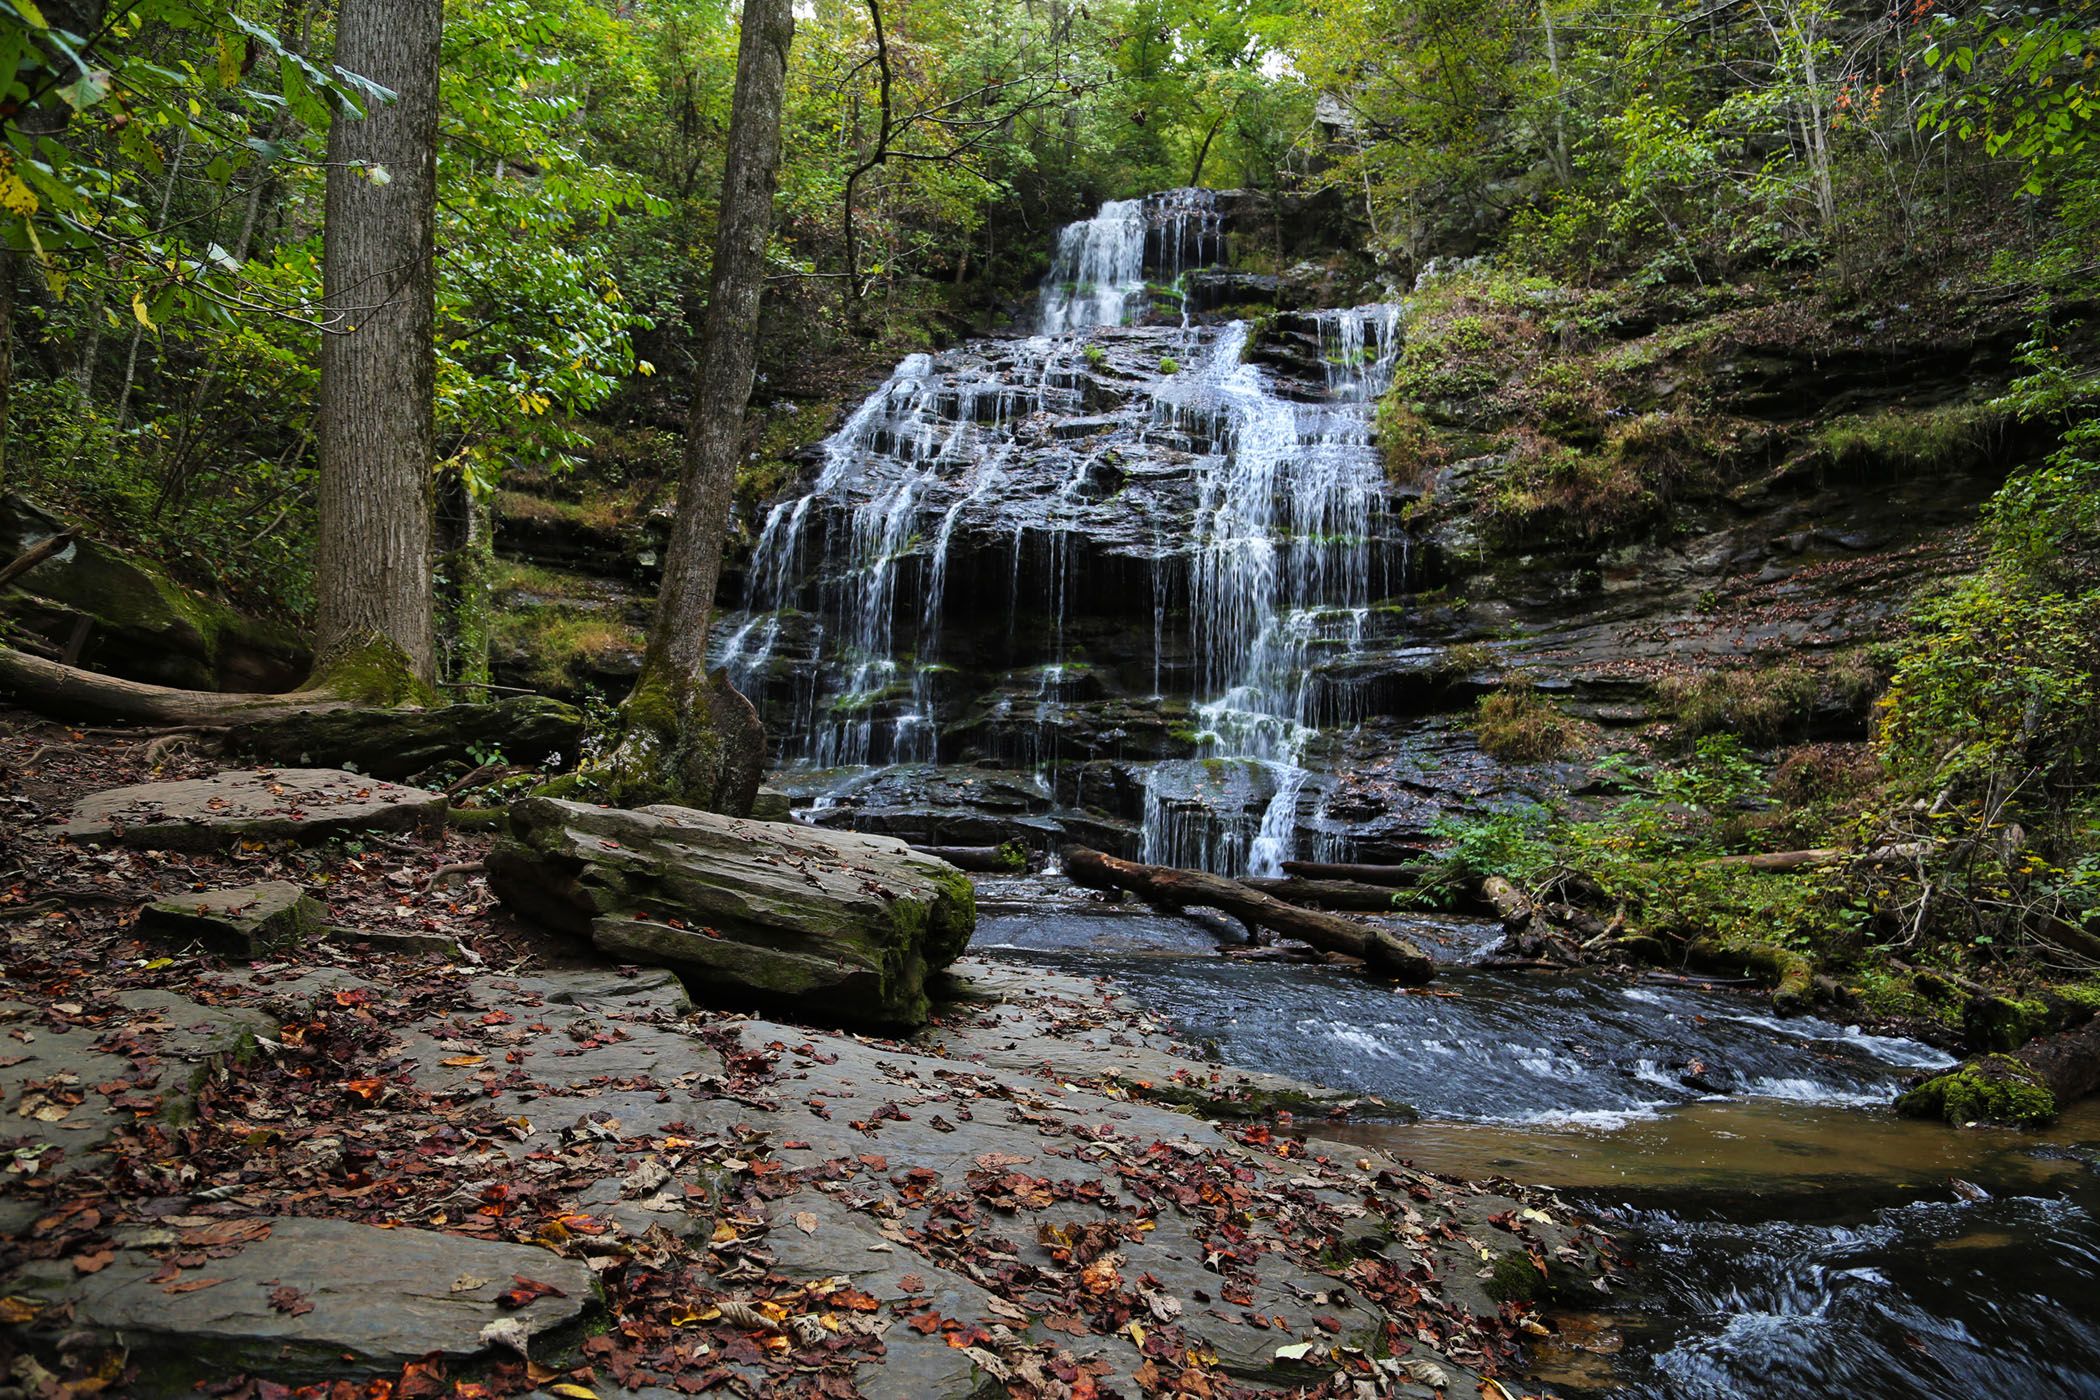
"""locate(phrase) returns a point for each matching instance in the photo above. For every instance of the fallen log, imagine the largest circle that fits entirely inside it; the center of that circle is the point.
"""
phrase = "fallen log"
(1820, 857)
(34, 555)
(2028, 1087)
(322, 723)
(1326, 894)
(1382, 950)
(68, 692)
(1399, 876)
(1009, 859)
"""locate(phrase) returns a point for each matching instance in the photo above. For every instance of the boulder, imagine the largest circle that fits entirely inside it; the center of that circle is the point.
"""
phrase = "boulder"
(260, 804)
(132, 620)
(836, 927)
(246, 921)
(394, 743)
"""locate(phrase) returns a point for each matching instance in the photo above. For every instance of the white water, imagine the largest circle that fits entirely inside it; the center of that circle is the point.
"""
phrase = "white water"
(841, 639)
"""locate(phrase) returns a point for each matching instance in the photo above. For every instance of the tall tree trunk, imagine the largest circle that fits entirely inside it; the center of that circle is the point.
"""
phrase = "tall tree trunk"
(377, 430)
(682, 737)
(7, 351)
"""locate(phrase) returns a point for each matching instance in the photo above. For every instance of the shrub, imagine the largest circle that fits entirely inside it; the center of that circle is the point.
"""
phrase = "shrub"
(1518, 725)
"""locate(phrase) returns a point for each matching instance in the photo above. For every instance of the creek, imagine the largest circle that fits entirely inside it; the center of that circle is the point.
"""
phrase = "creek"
(1785, 1234)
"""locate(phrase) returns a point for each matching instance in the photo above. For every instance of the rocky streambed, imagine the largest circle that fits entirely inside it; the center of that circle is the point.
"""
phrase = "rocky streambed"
(404, 1140)
(1780, 1232)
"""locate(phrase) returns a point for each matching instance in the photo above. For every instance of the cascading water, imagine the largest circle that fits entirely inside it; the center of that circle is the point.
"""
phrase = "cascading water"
(1020, 482)
(1283, 525)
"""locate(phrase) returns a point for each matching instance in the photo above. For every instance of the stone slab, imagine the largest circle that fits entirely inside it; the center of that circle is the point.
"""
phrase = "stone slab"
(381, 1298)
(297, 804)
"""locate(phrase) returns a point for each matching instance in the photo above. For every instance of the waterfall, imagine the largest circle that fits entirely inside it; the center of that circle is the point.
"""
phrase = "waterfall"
(931, 596)
(1281, 565)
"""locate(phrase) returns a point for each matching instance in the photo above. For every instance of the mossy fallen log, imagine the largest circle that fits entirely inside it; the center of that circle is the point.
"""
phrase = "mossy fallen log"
(1790, 975)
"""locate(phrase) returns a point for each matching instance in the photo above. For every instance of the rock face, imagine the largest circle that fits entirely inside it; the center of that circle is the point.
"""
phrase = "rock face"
(247, 921)
(842, 928)
(299, 804)
(401, 743)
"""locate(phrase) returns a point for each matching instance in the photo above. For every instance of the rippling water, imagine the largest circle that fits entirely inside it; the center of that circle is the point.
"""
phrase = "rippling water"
(1785, 1235)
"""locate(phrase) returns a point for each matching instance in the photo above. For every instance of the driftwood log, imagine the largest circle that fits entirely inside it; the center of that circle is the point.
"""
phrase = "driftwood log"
(1326, 894)
(34, 555)
(979, 860)
(1382, 950)
(1398, 876)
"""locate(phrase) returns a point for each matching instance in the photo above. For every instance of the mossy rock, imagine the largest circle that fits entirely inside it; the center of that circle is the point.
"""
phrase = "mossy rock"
(832, 927)
(2004, 1023)
(135, 621)
(1992, 1089)
(247, 921)
(397, 744)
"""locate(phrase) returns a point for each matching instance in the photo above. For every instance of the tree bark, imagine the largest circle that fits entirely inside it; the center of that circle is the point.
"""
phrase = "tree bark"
(1382, 950)
(7, 350)
(377, 430)
(684, 738)
(728, 347)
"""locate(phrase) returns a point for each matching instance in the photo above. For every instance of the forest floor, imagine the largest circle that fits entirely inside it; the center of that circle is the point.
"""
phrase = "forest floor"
(436, 1152)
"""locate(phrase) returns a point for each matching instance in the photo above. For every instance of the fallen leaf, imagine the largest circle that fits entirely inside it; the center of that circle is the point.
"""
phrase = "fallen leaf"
(525, 1290)
(805, 1221)
(93, 1263)
(290, 1301)
(191, 1285)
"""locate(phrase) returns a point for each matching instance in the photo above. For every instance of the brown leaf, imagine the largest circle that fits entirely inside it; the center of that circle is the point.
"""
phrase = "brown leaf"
(525, 1290)
(93, 1263)
(290, 1301)
(191, 1285)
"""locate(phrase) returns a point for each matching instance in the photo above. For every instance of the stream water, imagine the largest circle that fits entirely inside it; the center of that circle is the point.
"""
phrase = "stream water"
(1786, 1235)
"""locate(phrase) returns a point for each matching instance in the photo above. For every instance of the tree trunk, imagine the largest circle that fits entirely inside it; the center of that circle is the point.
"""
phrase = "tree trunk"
(377, 427)
(683, 738)
(467, 561)
(7, 350)
(1382, 950)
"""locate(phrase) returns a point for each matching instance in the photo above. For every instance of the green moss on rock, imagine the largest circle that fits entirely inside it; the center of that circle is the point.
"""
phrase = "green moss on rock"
(1993, 1089)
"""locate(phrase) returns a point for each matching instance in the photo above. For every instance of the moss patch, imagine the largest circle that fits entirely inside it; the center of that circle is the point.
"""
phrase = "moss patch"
(1993, 1089)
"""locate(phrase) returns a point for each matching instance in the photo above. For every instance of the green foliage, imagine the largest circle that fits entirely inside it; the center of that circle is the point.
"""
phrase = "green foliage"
(1518, 725)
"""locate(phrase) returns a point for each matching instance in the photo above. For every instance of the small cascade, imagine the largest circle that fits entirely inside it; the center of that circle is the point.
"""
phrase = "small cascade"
(932, 597)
